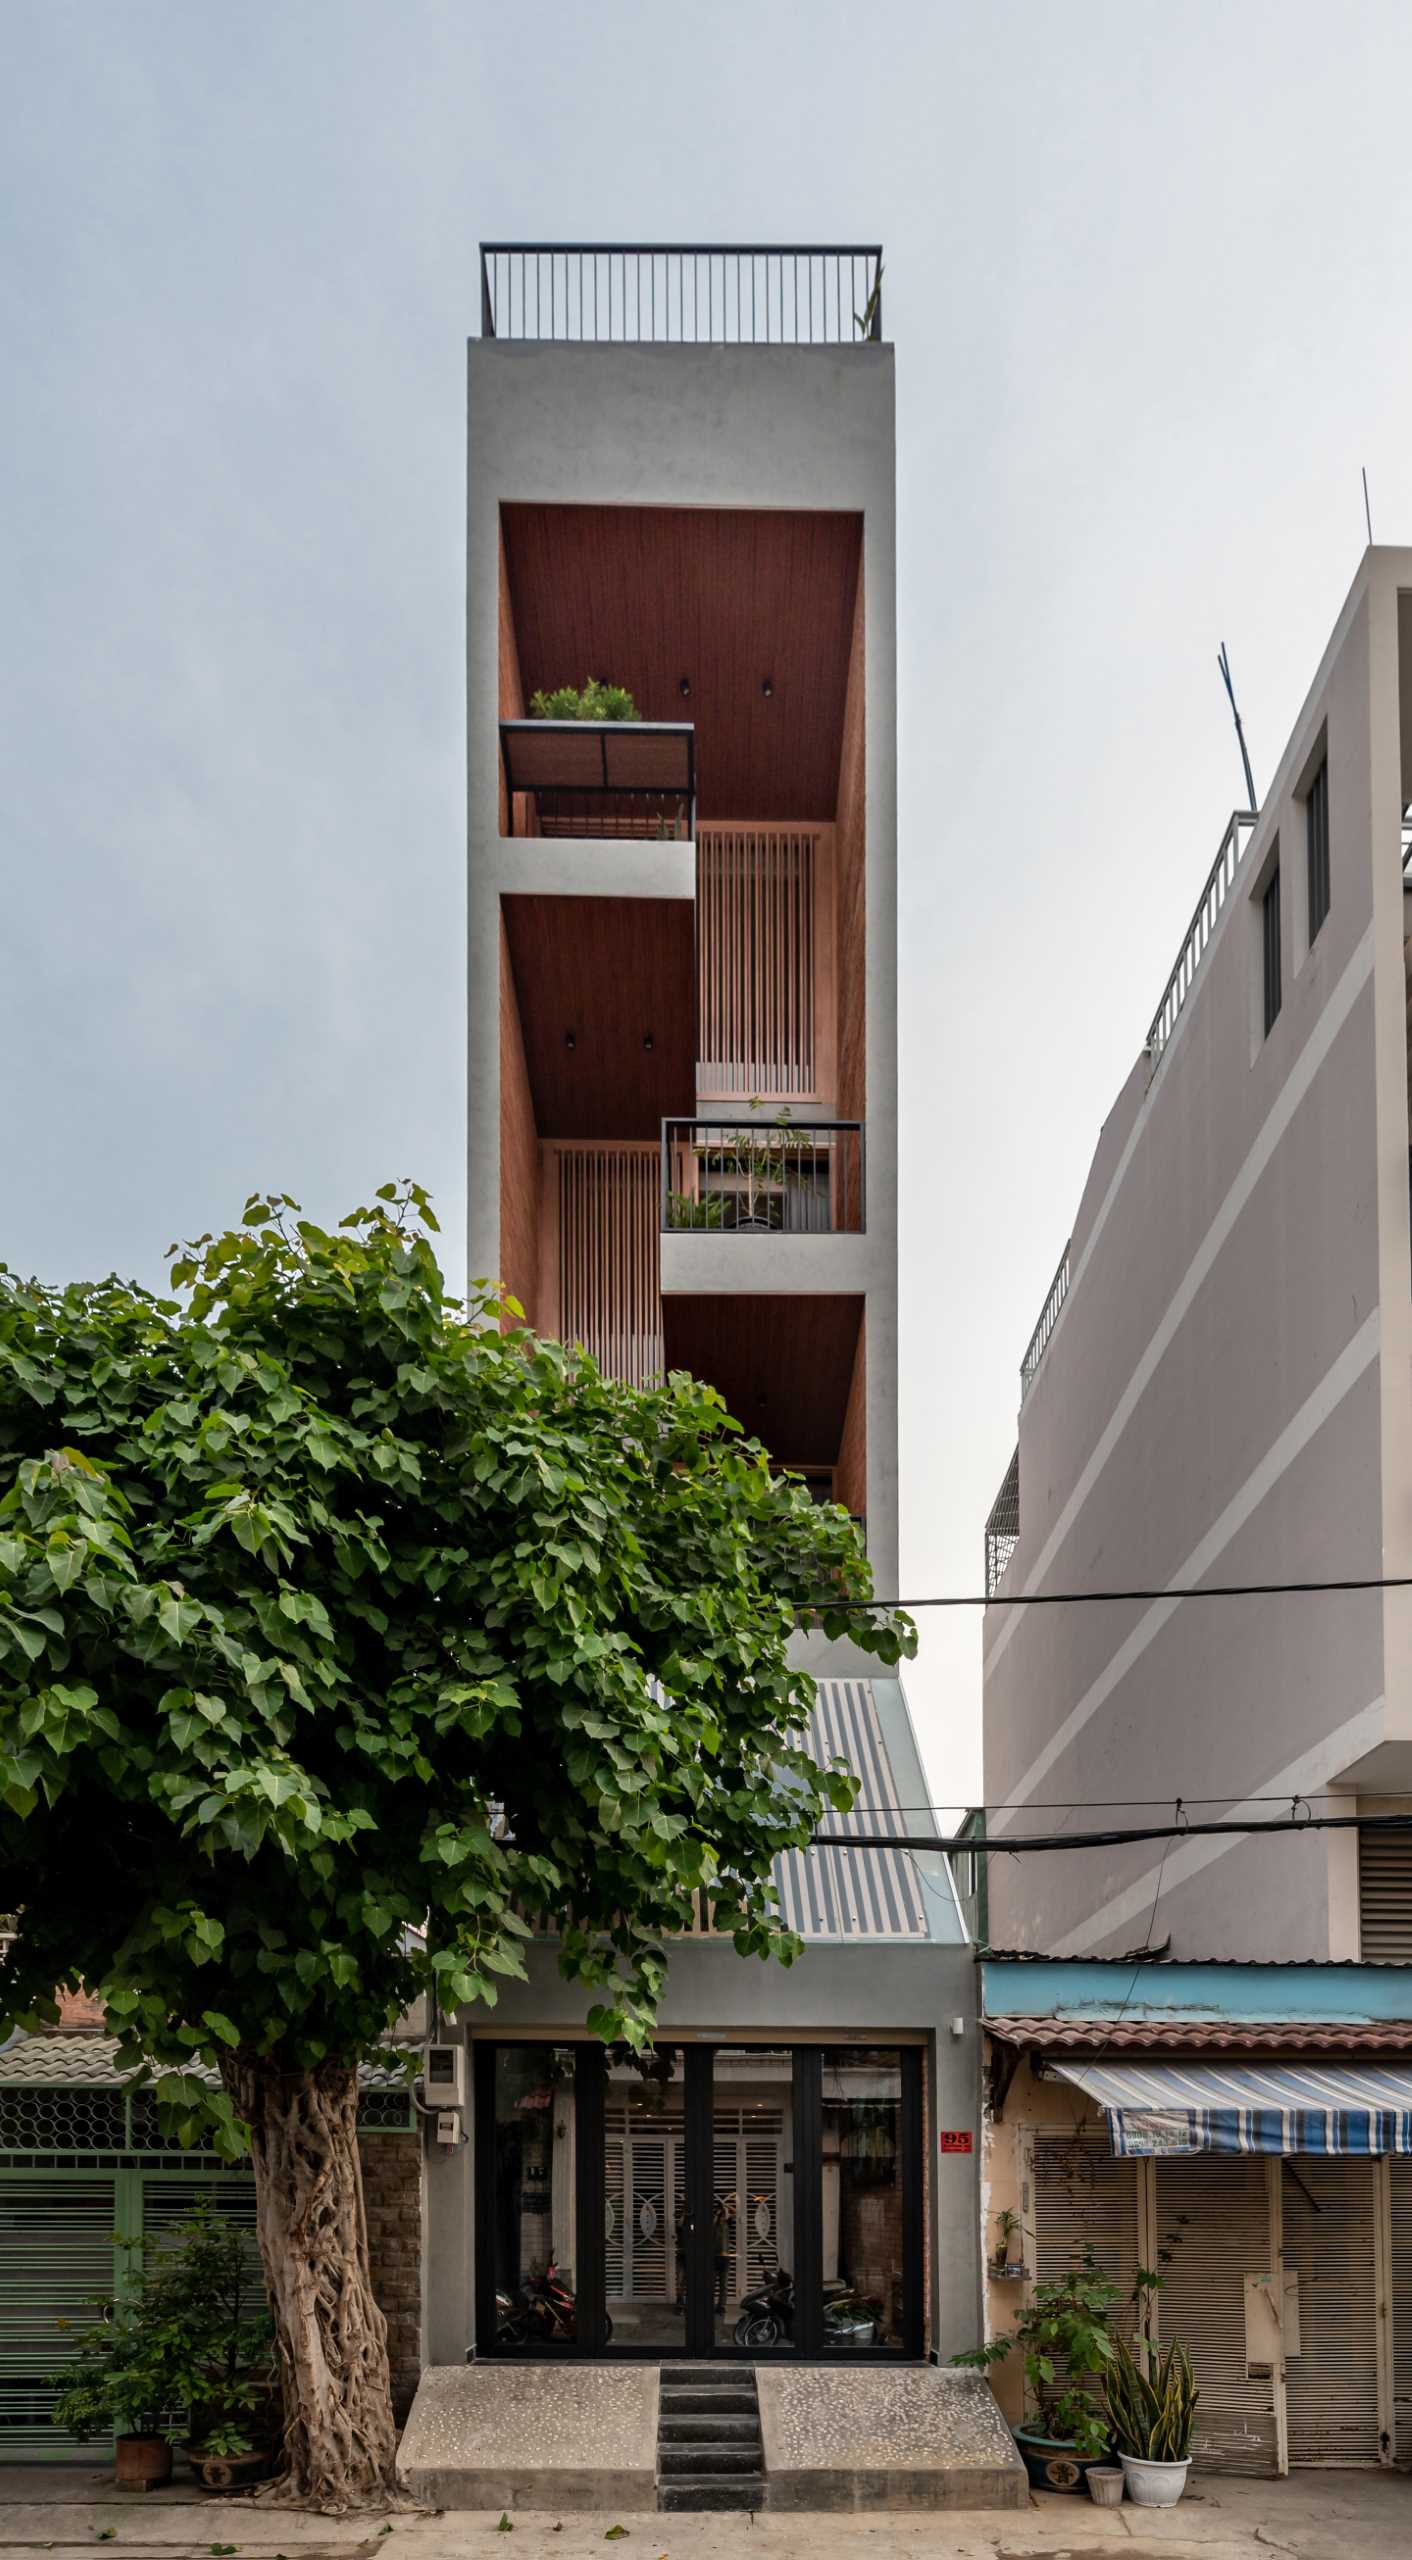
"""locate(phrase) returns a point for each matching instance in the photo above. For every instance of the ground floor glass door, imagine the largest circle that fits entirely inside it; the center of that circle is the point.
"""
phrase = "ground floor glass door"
(698, 2199)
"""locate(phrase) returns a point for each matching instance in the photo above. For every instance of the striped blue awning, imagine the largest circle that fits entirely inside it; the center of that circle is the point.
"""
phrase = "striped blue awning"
(1157, 2109)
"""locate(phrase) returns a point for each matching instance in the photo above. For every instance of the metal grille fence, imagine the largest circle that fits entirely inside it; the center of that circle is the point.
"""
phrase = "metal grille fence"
(1002, 1529)
(725, 294)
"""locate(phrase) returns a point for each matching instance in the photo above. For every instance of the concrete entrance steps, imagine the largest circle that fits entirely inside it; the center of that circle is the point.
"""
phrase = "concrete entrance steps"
(709, 2454)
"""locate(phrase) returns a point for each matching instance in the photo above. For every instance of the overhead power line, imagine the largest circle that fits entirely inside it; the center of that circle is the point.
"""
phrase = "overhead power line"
(1024, 1844)
(1159, 1591)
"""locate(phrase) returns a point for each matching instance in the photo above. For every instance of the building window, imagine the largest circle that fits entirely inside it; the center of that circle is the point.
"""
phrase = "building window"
(1270, 950)
(1385, 1897)
(1316, 820)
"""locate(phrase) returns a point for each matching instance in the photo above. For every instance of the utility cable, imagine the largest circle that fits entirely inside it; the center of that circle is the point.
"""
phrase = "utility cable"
(1080, 1599)
(1026, 1843)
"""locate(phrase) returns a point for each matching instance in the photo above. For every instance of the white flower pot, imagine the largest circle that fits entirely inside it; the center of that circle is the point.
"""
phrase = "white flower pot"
(1154, 2484)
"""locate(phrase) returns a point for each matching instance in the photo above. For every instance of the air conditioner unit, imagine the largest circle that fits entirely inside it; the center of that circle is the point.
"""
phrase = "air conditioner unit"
(444, 2075)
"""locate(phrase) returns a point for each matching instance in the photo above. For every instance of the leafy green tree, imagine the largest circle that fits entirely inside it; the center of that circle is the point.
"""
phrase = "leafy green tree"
(347, 1638)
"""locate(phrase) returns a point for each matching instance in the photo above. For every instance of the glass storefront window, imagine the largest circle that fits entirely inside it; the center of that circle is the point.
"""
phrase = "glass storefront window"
(644, 2198)
(752, 2191)
(862, 2291)
(536, 2259)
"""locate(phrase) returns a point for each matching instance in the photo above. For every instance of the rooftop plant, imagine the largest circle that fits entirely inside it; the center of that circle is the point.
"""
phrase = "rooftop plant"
(597, 701)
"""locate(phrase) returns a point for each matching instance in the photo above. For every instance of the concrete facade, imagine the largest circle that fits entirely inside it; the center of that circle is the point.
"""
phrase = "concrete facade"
(1226, 1396)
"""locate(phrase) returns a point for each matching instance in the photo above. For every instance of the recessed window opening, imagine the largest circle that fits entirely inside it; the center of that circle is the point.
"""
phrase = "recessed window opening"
(1316, 820)
(1272, 978)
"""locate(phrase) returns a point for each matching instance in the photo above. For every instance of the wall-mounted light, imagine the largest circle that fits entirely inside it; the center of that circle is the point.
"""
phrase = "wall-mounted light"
(571, 1040)
(647, 1041)
(767, 688)
(684, 687)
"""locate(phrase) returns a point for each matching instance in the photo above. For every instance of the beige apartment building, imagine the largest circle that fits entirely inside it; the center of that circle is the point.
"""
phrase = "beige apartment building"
(1219, 1391)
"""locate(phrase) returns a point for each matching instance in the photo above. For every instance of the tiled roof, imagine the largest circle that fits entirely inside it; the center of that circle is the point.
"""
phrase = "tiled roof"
(1203, 2035)
(89, 2062)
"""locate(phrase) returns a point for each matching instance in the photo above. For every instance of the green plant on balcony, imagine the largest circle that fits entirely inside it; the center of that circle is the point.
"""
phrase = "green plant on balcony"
(596, 701)
(690, 1209)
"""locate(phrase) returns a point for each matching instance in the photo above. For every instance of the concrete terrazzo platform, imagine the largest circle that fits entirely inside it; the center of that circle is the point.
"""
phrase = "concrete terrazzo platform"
(533, 2435)
(880, 2438)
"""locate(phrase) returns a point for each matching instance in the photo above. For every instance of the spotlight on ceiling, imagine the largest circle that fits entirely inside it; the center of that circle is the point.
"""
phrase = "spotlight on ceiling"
(768, 687)
(571, 1040)
(684, 687)
(647, 1040)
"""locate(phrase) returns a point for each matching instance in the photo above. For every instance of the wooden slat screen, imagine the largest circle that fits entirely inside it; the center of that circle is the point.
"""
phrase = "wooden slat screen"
(758, 892)
(610, 1290)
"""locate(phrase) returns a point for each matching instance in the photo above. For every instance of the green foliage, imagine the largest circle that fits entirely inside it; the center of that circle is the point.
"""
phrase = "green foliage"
(690, 1209)
(347, 1637)
(596, 702)
(1151, 2415)
(185, 2350)
(1066, 2336)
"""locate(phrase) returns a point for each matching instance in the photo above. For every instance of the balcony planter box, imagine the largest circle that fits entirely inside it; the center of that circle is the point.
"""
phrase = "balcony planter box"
(1154, 2484)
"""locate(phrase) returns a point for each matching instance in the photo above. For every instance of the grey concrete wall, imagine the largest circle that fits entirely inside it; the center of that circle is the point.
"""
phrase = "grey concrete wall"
(881, 1989)
(1227, 1394)
(678, 426)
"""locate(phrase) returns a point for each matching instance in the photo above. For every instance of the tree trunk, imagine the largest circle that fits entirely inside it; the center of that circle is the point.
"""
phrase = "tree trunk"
(340, 2440)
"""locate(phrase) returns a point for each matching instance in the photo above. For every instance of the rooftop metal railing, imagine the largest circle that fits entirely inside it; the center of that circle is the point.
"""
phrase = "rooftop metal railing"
(719, 293)
(1038, 1342)
(1198, 933)
(1002, 1529)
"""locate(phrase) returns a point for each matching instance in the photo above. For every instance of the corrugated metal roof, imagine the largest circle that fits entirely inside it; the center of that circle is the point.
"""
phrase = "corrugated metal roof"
(58, 2061)
(1202, 2035)
(854, 1893)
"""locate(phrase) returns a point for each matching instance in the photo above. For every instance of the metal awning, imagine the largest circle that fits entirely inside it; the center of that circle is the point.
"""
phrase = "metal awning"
(1155, 2109)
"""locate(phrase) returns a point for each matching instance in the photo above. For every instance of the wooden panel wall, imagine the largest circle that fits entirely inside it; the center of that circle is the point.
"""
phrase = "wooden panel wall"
(850, 1481)
(519, 1152)
(512, 704)
(851, 888)
(601, 1234)
(765, 935)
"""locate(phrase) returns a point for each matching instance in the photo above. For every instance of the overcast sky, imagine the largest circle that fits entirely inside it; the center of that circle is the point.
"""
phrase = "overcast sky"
(1148, 276)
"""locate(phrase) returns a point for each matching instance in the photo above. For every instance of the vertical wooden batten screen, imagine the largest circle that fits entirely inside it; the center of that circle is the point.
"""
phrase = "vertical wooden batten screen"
(600, 1254)
(765, 961)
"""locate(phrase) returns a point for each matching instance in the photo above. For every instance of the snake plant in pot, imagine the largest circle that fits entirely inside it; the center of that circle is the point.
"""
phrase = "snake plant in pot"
(1151, 2417)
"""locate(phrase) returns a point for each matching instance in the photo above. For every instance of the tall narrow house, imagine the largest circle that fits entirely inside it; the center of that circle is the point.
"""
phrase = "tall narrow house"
(683, 1154)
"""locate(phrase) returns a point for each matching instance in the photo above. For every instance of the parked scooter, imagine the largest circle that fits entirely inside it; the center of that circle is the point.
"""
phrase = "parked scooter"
(767, 2315)
(545, 2310)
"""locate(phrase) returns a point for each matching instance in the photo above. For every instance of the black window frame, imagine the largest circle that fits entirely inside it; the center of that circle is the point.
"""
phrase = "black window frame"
(1271, 953)
(1316, 834)
(807, 2346)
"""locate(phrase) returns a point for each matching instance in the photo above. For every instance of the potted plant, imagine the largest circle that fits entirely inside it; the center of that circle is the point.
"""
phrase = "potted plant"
(1151, 2416)
(596, 701)
(695, 1209)
(1008, 2258)
(184, 2353)
(1065, 2336)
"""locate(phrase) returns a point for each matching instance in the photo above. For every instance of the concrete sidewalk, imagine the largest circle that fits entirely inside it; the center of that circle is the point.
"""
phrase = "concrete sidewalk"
(1316, 2516)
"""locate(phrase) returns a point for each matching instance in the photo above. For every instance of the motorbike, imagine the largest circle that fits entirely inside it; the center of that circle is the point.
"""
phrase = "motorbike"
(544, 2309)
(767, 2315)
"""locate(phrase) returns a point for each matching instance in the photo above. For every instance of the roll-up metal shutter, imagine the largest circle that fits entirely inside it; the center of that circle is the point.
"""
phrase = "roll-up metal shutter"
(1400, 2179)
(169, 2200)
(1084, 2198)
(1213, 2229)
(56, 2250)
(1385, 1897)
(1330, 2211)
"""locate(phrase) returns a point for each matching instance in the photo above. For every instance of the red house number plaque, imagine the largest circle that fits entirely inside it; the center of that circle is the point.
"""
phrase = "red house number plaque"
(954, 2141)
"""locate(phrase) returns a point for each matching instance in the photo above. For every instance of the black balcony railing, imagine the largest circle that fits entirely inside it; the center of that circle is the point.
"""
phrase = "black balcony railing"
(763, 1177)
(718, 294)
(1002, 1529)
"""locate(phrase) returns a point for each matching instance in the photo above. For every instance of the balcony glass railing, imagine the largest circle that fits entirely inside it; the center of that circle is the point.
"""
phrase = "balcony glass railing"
(762, 1177)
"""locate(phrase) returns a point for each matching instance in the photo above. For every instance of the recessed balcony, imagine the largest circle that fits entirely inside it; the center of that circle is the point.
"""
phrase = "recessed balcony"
(621, 781)
(763, 1177)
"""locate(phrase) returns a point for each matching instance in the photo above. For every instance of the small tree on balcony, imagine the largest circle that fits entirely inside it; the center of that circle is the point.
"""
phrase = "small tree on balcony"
(346, 1639)
(597, 701)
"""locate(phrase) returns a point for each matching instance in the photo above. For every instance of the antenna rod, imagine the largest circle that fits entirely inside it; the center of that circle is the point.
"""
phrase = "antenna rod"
(1367, 510)
(1223, 662)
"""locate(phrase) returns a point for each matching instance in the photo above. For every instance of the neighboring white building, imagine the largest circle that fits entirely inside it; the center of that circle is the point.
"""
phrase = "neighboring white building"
(1219, 1390)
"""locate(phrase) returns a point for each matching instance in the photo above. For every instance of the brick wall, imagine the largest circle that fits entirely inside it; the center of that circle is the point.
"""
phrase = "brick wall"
(392, 2188)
